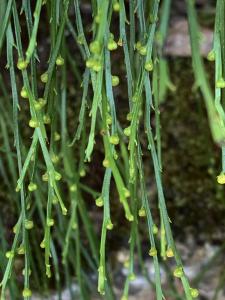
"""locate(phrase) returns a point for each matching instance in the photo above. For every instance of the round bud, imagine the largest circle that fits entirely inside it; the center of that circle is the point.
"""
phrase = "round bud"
(138, 46)
(126, 193)
(143, 50)
(59, 61)
(95, 47)
(115, 80)
(114, 139)
(50, 222)
(152, 251)
(42, 102)
(55, 158)
(149, 66)
(129, 217)
(178, 272)
(74, 226)
(109, 225)
(129, 116)
(37, 106)
(21, 250)
(42, 244)
(108, 119)
(29, 224)
(44, 77)
(32, 186)
(57, 176)
(112, 45)
(132, 277)
(127, 131)
(46, 119)
(211, 55)
(120, 42)
(221, 178)
(142, 212)
(22, 64)
(169, 252)
(26, 293)
(220, 83)
(57, 136)
(45, 177)
(90, 63)
(155, 229)
(106, 163)
(73, 188)
(99, 202)
(82, 173)
(9, 254)
(194, 293)
(97, 66)
(23, 93)
(116, 6)
(33, 123)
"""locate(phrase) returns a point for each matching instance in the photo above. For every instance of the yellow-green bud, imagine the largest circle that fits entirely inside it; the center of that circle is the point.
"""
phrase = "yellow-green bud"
(143, 50)
(116, 6)
(211, 55)
(23, 93)
(114, 139)
(129, 116)
(194, 293)
(50, 222)
(129, 217)
(90, 63)
(21, 250)
(149, 66)
(45, 177)
(97, 66)
(29, 224)
(55, 158)
(37, 105)
(82, 173)
(132, 277)
(46, 119)
(33, 123)
(126, 192)
(178, 272)
(220, 83)
(155, 229)
(99, 202)
(108, 119)
(138, 46)
(152, 251)
(26, 293)
(106, 163)
(9, 254)
(142, 212)
(95, 47)
(112, 45)
(57, 136)
(73, 188)
(127, 131)
(221, 178)
(169, 252)
(115, 80)
(22, 64)
(32, 186)
(109, 225)
(42, 244)
(59, 61)
(57, 176)
(44, 77)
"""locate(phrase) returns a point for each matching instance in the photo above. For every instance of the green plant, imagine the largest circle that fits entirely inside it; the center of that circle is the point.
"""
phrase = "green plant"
(71, 89)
